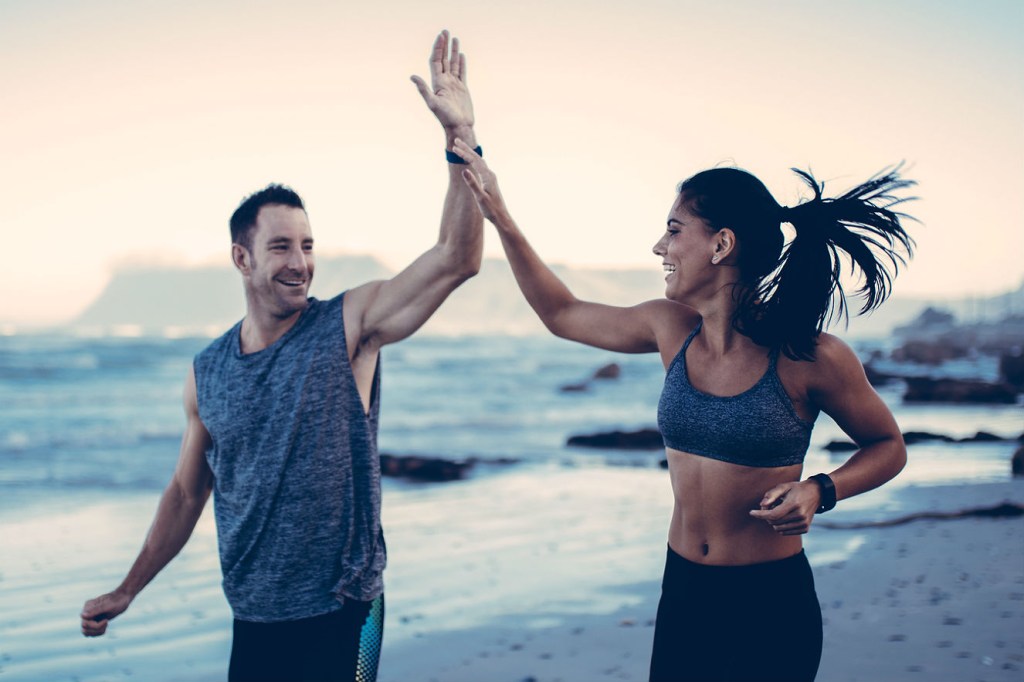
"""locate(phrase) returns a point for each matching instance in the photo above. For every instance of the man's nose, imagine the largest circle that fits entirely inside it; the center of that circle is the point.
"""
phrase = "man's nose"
(298, 260)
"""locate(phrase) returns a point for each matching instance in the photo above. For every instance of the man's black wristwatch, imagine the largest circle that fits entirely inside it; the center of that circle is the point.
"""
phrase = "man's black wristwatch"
(828, 492)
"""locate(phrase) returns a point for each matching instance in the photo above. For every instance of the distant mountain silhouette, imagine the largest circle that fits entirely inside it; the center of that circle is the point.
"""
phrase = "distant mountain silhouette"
(209, 300)
(202, 300)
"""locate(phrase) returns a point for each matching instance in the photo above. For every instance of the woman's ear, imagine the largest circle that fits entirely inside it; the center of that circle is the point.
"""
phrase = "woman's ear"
(723, 245)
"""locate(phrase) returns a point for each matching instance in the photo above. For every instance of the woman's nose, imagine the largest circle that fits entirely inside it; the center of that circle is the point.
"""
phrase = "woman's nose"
(658, 248)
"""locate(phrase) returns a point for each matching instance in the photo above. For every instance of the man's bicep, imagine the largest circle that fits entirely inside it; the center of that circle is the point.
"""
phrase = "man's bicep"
(395, 308)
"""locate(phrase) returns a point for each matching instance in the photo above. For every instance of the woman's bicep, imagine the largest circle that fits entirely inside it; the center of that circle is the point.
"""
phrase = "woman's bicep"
(846, 395)
(623, 329)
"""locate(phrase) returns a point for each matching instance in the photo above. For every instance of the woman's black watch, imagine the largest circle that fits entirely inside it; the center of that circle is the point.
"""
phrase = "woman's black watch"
(828, 492)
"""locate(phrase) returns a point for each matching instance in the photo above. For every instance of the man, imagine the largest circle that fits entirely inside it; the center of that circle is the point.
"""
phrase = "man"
(282, 426)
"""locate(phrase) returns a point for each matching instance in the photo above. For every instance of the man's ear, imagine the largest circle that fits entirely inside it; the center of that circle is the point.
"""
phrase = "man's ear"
(241, 258)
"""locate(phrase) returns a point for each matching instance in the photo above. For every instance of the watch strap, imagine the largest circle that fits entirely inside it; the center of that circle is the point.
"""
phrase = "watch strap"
(828, 492)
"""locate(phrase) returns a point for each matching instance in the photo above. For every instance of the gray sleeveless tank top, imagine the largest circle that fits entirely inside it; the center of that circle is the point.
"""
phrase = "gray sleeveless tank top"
(757, 428)
(296, 470)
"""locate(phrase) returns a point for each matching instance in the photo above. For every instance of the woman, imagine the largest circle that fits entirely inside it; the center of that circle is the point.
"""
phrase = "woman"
(748, 370)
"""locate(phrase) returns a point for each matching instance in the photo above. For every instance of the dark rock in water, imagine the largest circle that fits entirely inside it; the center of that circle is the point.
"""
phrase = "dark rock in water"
(876, 378)
(1017, 462)
(610, 371)
(914, 437)
(574, 388)
(911, 437)
(644, 439)
(929, 352)
(1011, 369)
(980, 437)
(841, 446)
(983, 437)
(958, 391)
(424, 468)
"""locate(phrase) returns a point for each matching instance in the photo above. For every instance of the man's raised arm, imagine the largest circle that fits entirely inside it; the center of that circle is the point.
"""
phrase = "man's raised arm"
(388, 311)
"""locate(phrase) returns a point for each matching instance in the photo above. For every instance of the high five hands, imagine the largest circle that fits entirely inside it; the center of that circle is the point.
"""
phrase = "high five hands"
(448, 97)
(483, 182)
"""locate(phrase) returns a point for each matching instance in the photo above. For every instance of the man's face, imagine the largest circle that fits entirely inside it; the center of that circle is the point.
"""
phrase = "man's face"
(280, 262)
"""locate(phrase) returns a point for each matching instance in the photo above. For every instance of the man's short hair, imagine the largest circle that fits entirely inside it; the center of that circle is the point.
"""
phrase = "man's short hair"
(243, 220)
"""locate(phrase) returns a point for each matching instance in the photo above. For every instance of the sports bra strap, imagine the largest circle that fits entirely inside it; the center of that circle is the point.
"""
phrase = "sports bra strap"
(686, 344)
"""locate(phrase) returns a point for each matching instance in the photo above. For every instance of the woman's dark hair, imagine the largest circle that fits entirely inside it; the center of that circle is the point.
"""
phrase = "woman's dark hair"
(244, 218)
(788, 295)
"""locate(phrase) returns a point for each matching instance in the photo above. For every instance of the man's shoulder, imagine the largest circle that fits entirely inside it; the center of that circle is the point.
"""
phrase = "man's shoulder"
(220, 343)
(335, 301)
(322, 319)
(320, 311)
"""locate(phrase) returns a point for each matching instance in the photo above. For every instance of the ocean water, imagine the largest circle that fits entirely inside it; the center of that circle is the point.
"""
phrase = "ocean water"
(95, 413)
(103, 414)
(89, 436)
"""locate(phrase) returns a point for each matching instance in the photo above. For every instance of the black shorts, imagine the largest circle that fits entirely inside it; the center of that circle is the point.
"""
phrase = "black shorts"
(736, 623)
(341, 646)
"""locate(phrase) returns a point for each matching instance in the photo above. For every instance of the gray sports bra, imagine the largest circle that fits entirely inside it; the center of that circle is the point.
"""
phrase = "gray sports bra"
(757, 428)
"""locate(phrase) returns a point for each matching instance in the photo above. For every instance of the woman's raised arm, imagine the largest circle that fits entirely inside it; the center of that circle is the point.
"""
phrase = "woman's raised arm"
(633, 329)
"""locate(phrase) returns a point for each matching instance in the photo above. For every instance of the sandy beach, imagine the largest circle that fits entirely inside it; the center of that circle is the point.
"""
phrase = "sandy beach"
(929, 600)
(541, 573)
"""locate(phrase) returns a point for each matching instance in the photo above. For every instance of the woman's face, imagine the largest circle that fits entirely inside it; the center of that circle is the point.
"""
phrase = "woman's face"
(686, 249)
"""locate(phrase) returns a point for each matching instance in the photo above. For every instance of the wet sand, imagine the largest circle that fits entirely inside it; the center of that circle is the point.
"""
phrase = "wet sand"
(538, 574)
(931, 600)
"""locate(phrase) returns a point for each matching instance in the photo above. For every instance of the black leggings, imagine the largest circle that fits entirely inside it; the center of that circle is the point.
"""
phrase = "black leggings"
(341, 646)
(737, 623)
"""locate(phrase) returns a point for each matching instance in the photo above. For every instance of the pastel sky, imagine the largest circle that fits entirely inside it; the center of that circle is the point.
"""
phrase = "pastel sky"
(131, 129)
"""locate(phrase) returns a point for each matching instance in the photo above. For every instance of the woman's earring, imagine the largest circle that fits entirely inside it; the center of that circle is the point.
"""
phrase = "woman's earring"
(714, 259)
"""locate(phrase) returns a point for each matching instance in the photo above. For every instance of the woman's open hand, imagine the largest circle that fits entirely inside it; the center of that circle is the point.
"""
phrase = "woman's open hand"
(482, 181)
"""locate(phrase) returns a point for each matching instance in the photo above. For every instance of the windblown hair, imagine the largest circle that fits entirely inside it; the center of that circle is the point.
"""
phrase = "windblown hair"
(243, 220)
(787, 296)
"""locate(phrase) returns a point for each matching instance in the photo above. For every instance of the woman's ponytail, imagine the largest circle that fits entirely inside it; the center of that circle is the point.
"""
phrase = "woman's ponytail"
(788, 309)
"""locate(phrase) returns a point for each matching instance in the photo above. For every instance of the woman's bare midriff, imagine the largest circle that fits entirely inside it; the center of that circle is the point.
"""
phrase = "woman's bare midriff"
(711, 522)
